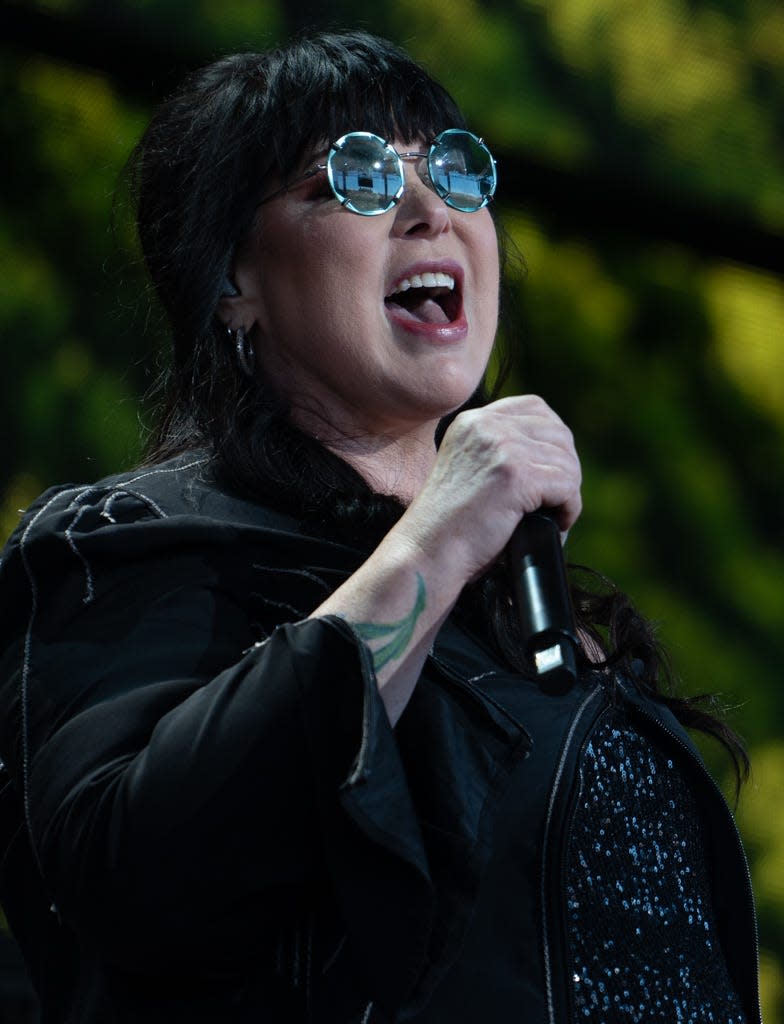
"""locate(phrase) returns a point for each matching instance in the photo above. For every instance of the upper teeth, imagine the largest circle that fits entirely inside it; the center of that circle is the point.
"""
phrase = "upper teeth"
(437, 280)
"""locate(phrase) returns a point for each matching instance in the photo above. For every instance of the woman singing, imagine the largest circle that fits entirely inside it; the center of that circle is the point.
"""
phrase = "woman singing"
(275, 750)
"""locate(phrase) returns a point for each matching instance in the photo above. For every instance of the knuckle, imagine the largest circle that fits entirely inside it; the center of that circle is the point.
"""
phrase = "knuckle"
(539, 405)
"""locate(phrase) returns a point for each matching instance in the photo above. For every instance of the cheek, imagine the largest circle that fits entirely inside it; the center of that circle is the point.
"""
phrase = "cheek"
(481, 241)
(488, 243)
(493, 286)
(298, 267)
(346, 274)
(488, 276)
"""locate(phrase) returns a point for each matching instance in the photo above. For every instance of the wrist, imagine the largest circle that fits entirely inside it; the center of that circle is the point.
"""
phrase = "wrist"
(445, 552)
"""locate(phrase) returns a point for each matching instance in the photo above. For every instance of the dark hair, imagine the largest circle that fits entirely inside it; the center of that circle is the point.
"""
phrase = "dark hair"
(211, 152)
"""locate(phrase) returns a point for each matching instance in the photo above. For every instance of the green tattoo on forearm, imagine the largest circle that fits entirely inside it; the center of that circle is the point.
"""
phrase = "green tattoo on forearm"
(399, 632)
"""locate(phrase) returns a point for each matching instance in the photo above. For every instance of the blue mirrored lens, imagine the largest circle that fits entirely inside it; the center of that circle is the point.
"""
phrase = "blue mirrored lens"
(365, 173)
(462, 170)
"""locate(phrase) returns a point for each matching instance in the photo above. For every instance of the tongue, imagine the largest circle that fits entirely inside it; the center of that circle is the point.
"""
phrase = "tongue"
(426, 311)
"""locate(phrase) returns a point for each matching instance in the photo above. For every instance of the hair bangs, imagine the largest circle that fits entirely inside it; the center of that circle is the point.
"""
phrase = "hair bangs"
(333, 84)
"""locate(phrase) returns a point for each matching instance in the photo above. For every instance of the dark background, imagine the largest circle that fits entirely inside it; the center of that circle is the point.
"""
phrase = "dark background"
(641, 164)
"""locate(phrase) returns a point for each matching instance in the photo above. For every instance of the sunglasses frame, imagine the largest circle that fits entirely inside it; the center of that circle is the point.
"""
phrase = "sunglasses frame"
(386, 147)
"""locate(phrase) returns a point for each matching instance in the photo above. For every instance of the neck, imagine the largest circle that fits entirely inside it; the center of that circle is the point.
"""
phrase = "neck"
(390, 465)
(395, 463)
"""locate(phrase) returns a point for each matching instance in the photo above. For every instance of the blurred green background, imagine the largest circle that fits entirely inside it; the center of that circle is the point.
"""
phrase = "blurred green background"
(641, 163)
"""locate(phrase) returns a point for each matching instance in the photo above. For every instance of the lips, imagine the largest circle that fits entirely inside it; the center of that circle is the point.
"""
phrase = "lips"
(427, 300)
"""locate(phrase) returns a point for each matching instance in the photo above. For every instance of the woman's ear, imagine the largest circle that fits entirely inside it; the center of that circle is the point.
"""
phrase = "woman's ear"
(242, 294)
(229, 303)
(229, 288)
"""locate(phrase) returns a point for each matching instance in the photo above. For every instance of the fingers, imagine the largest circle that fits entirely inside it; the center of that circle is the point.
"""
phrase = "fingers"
(525, 417)
(495, 464)
(523, 438)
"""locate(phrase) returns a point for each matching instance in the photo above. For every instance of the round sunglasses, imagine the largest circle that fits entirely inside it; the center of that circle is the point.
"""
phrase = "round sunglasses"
(367, 176)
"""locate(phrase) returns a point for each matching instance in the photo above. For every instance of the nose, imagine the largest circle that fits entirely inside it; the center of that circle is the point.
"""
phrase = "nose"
(420, 212)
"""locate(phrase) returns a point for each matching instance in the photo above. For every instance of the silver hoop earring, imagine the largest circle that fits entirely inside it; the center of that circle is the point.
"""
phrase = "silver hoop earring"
(246, 356)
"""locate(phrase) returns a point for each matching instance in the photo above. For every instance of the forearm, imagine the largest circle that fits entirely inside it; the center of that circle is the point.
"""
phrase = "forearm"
(396, 602)
(494, 465)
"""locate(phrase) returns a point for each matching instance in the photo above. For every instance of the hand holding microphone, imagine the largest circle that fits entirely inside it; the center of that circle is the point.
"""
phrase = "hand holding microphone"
(514, 457)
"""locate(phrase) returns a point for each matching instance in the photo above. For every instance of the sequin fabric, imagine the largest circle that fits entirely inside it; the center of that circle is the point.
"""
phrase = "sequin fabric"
(641, 930)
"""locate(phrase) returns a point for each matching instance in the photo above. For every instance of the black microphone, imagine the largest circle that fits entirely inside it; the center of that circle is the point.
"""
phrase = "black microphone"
(535, 559)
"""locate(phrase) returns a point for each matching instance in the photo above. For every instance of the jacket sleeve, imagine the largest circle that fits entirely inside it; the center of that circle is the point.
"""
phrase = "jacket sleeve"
(188, 772)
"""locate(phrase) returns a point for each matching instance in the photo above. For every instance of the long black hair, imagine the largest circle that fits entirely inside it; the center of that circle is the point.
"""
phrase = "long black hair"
(209, 155)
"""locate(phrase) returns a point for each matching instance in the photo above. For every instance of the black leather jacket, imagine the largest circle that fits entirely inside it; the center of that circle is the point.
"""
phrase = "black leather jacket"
(209, 816)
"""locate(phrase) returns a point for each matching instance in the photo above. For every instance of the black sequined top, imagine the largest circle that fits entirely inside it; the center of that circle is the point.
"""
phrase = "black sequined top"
(616, 892)
(642, 936)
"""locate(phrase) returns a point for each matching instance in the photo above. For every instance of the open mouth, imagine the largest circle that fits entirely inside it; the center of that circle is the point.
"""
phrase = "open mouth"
(426, 298)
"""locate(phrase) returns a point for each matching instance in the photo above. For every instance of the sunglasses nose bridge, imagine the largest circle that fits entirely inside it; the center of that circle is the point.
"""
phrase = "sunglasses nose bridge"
(420, 171)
